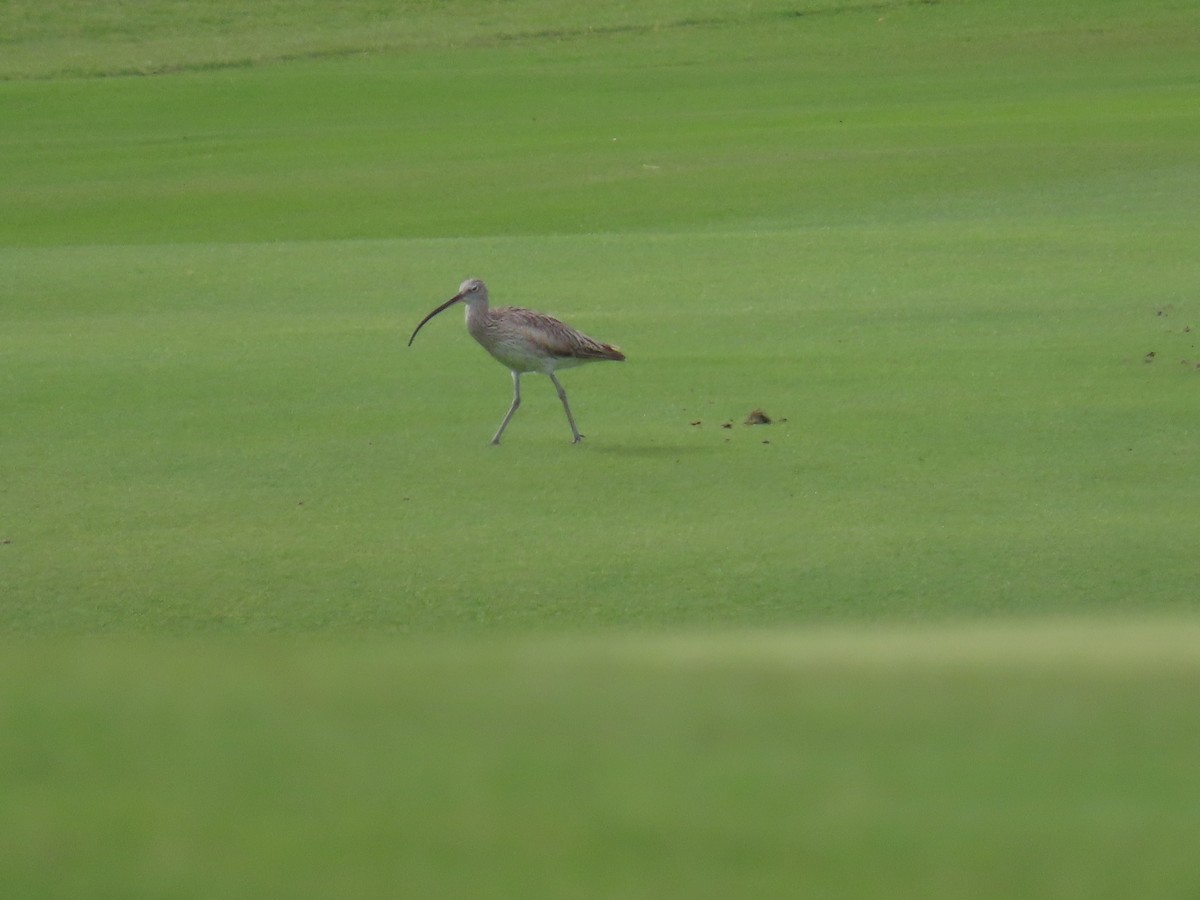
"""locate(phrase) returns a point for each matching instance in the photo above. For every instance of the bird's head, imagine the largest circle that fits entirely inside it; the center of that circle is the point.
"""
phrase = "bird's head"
(470, 291)
(472, 287)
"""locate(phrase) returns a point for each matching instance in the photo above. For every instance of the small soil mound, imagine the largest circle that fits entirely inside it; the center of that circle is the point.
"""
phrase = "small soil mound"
(758, 417)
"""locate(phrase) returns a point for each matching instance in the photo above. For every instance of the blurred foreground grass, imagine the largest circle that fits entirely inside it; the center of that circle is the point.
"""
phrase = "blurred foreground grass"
(1000, 760)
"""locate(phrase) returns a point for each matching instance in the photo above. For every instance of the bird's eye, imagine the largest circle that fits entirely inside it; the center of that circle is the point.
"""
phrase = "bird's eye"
(474, 289)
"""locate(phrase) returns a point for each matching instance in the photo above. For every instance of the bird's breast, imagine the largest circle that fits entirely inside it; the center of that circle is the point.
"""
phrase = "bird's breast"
(511, 347)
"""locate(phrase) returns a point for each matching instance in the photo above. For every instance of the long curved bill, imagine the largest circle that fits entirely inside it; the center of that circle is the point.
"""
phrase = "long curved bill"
(449, 303)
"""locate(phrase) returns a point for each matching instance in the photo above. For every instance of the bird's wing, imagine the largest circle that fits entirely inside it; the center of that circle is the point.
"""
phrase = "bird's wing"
(557, 338)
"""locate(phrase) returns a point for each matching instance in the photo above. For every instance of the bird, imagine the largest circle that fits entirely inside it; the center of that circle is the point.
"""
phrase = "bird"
(524, 341)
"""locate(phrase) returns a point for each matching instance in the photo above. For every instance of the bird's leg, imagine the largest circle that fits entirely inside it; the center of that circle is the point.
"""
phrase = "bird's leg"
(512, 409)
(576, 437)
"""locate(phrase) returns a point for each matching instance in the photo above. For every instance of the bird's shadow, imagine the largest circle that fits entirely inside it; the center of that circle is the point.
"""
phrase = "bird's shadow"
(648, 450)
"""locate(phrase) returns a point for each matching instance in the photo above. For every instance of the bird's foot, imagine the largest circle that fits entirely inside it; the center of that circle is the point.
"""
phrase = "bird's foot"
(577, 439)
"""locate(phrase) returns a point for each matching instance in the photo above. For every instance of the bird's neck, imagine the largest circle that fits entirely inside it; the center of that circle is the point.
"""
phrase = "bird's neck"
(476, 315)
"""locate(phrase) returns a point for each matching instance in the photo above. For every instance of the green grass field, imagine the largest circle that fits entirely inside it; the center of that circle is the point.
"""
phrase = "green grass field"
(275, 620)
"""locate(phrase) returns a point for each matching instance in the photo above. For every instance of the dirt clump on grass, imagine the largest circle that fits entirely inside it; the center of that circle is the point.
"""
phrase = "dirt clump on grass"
(758, 417)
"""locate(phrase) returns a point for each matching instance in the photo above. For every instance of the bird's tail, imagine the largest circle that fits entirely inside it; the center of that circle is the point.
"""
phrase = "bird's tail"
(614, 353)
(589, 349)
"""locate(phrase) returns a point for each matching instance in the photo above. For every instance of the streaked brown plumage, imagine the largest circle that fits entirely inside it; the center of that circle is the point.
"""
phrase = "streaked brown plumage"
(525, 341)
